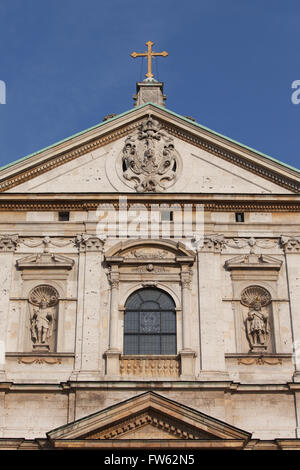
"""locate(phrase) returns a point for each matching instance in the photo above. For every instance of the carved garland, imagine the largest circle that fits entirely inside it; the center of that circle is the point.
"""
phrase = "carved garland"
(271, 361)
(39, 360)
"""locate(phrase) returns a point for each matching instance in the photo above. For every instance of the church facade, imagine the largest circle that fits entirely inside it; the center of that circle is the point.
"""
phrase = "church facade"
(150, 290)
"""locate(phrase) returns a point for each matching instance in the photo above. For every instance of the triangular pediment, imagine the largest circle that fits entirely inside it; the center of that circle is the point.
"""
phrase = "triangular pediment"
(149, 416)
(253, 261)
(45, 261)
(206, 162)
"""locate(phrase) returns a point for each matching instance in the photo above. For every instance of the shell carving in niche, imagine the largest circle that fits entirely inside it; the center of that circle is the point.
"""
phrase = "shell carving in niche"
(44, 293)
(252, 294)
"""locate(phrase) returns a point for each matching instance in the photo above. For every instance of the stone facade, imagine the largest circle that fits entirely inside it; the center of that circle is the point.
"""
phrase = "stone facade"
(234, 283)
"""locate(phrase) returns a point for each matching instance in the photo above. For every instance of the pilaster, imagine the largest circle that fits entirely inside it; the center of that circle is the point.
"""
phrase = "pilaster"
(113, 354)
(291, 247)
(8, 244)
(210, 308)
(87, 355)
(187, 354)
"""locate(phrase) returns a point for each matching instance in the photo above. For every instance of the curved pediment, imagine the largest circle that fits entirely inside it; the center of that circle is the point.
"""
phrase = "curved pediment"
(150, 251)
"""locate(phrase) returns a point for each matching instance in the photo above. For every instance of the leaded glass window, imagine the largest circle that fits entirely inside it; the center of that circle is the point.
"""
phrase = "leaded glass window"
(150, 323)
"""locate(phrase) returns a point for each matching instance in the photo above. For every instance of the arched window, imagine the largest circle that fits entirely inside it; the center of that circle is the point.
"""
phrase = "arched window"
(150, 323)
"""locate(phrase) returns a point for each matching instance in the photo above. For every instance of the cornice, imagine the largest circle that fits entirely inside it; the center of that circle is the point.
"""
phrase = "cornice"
(158, 385)
(80, 204)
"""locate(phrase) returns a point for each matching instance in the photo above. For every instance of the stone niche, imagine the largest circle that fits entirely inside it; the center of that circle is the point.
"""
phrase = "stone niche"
(254, 284)
(44, 286)
(140, 264)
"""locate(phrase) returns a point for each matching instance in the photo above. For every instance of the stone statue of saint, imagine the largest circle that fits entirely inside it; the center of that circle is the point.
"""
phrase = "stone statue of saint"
(41, 323)
(257, 326)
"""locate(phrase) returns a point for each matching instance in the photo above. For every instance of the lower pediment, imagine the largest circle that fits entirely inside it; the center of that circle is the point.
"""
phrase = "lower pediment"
(148, 418)
(150, 425)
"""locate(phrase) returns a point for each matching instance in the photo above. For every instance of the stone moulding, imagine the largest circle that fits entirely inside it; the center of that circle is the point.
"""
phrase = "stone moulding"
(74, 204)
(147, 366)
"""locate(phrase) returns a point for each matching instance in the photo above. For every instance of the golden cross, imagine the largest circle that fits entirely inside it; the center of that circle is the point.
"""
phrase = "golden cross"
(149, 54)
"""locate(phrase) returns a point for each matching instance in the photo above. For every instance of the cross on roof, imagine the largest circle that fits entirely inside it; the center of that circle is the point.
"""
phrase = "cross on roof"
(149, 54)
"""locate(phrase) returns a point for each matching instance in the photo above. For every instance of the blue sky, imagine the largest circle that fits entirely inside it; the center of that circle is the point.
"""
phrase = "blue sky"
(231, 63)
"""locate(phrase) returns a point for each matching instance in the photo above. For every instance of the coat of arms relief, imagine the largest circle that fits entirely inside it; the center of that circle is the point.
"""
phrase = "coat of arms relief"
(149, 159)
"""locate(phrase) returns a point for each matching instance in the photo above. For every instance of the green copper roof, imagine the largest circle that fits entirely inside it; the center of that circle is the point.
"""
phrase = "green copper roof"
(163, 109)
(227, 138)
(69, 138)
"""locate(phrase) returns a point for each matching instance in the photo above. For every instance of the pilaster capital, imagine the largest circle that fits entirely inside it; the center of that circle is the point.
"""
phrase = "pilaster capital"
(114, 279)
(88, 243)
(186, 277)
(209, 243)
(8, 242)
(290, 244)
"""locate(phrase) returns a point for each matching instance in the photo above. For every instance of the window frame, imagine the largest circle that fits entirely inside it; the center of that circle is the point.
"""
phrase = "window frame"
(139, 334)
